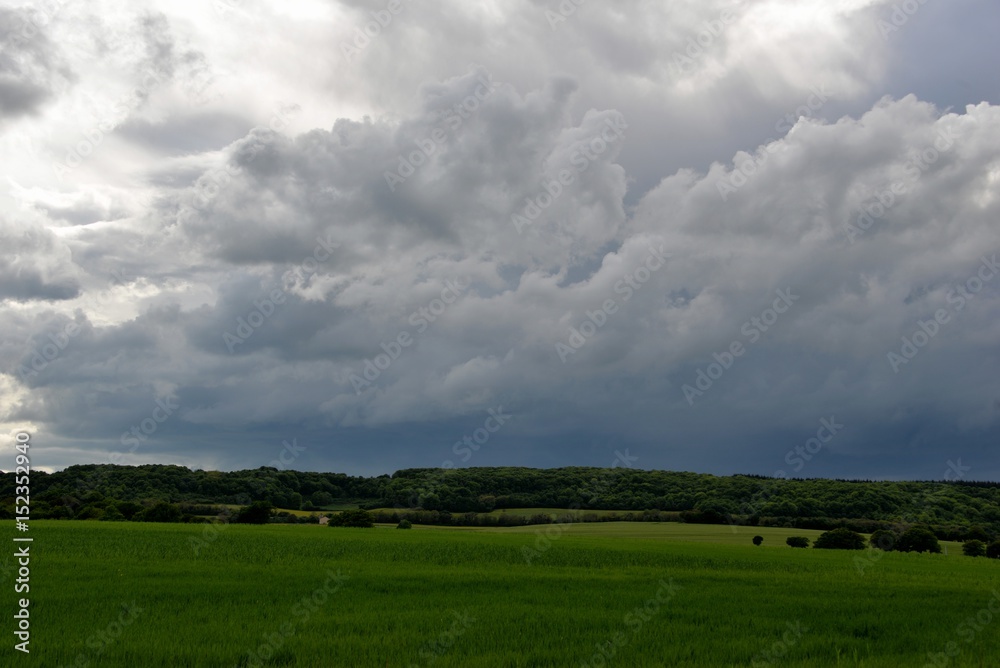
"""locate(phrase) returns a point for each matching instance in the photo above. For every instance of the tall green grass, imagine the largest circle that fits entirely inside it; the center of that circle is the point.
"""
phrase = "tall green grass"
(438, 597)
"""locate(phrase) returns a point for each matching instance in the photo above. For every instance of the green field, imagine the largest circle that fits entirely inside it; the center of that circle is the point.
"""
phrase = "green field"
(137, 594)
(529, 512)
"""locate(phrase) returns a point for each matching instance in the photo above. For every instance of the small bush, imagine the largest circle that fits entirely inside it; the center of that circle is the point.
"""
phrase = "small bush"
(404, 524)
(757, 540)
(797, 541)
(129, 509)
(161, 512)
(258, 512)
(977, 533)
(112, 514)
(918, 539)
(974, 548)
(883, 539)
(353, 518)
(840, 539)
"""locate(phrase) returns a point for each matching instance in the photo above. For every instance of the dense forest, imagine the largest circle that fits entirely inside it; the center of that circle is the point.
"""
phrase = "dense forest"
(106, 491)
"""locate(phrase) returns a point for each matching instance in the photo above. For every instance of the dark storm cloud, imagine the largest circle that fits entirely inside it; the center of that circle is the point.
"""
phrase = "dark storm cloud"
(579, 237)
(25, 285)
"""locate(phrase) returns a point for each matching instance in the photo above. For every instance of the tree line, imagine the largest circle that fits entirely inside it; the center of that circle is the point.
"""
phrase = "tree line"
(913, 539)
(105, 491)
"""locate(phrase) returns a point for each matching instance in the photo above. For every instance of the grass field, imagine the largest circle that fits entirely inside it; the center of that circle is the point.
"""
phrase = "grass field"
(528, 512)
(137, 594)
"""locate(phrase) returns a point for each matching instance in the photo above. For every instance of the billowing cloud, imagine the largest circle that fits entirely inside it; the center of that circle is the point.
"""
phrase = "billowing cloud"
(691, 231)
(32, 66)
(35, 264)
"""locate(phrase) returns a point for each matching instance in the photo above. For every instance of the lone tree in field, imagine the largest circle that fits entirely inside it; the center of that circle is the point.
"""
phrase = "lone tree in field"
(918, 539)
(258, 512)
(974, 548)
(993, 551)
(797, 541)
(883, 539)
(162, 512)
(757, 540)
(840, 539)
(978, 533)
(353, 518)
(404, 524)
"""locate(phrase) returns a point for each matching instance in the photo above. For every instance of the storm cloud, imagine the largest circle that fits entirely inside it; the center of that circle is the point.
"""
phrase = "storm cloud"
(698, 231)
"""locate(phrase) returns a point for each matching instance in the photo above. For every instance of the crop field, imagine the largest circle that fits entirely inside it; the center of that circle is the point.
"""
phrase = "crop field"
(606, 594)
(528, 512)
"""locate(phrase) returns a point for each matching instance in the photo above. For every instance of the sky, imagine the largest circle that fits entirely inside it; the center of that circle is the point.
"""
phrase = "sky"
(722, 236)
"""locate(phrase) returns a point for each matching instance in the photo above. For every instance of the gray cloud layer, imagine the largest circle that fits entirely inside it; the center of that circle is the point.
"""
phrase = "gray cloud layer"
(690, 230)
